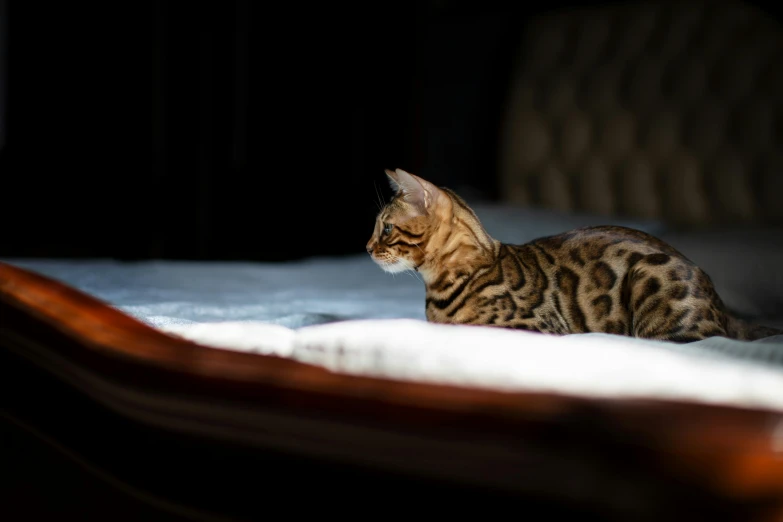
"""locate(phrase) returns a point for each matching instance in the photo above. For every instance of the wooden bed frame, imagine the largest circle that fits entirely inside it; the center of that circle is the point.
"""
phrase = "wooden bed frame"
(106, 417)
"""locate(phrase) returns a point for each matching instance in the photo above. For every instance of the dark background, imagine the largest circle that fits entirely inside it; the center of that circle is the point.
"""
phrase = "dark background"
(240, 129)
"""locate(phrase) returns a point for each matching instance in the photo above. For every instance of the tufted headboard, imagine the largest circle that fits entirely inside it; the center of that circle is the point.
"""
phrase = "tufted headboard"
(661, 110)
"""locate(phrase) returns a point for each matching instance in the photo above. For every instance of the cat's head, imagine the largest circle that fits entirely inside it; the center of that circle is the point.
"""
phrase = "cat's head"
(405, 227)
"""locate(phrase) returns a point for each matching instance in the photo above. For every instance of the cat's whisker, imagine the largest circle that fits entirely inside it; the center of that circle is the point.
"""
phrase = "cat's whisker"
(378, 195)
(411, 269)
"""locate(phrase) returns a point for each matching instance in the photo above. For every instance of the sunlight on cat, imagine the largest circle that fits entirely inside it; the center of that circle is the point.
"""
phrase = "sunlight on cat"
(609, 279)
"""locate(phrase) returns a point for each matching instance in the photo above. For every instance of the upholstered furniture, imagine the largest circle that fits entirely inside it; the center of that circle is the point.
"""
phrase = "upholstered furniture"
(661, 110)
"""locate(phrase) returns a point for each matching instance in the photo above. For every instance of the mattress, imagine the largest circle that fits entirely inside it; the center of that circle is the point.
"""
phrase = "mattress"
(345, 314)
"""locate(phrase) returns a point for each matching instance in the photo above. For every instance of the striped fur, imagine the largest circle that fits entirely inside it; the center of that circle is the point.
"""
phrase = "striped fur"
(595, 279)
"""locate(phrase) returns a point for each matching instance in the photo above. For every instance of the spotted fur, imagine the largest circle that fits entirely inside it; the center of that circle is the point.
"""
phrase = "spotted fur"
(595, 279)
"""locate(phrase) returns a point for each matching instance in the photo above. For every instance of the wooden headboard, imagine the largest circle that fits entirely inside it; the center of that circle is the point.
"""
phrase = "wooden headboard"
(662, 110)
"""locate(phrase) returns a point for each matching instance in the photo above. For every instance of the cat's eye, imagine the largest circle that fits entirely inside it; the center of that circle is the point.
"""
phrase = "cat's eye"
(387, 228)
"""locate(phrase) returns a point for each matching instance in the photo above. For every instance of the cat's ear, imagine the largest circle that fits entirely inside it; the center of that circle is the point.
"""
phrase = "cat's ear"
(415, 190)
(393, 181)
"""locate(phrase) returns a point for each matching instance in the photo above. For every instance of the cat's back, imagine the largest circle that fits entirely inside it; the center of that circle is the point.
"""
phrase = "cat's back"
(608, 279)
(607, 243)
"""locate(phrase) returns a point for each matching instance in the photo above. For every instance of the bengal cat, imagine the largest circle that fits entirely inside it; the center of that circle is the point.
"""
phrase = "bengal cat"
(607, 279)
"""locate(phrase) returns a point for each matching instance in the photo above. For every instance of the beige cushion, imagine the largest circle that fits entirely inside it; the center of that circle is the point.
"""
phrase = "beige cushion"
(656, 110)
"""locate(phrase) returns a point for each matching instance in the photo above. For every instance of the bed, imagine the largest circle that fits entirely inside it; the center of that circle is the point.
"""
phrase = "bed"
(153, 389)
(331, 359)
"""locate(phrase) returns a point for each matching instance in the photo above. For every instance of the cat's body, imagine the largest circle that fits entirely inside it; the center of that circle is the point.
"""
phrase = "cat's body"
(596, 279)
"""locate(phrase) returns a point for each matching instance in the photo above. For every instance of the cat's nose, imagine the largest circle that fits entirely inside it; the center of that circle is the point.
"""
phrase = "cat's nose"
(369, 249)
(370, 246)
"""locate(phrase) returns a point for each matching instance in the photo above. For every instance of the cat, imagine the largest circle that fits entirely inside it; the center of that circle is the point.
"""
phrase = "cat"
(608, 279)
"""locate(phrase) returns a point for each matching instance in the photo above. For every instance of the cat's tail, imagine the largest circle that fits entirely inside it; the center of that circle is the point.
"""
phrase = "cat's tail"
(741, 329)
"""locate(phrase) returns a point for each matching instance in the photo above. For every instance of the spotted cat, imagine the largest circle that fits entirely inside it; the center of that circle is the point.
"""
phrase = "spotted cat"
(595, 279)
